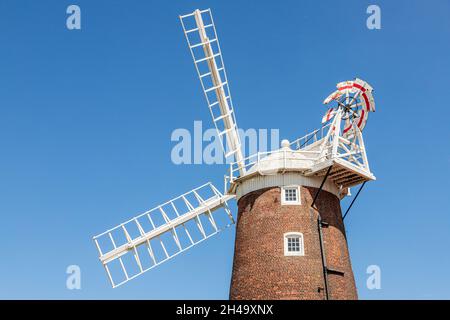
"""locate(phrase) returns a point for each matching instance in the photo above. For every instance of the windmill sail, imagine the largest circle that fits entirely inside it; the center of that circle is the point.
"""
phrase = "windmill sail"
(207, 55)
(145, 241)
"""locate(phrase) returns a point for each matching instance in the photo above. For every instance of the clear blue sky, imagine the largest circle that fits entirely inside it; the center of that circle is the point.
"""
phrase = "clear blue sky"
(86, 119)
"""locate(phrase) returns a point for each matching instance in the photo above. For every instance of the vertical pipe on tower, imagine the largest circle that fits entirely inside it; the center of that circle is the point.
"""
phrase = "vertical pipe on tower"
(319, 226)
(324, 258)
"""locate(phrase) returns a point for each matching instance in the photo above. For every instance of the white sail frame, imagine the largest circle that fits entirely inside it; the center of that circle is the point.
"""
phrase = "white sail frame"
(110, 251)
(214, 82)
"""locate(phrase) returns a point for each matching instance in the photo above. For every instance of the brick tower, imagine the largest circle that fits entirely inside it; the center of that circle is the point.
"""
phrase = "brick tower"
(282, 251)
(289, 246)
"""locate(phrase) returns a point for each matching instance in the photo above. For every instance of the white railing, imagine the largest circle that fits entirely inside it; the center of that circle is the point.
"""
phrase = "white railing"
(297, 147)
(310, 138)
(262, 157)
(318, 146)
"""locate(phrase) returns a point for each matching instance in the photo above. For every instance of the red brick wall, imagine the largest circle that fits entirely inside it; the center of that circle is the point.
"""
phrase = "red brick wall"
(260, 269)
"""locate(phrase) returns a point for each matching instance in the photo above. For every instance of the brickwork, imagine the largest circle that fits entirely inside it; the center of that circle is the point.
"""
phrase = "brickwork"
(260, 269)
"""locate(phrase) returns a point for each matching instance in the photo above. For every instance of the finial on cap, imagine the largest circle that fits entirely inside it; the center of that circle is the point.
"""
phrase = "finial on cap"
(285, 143)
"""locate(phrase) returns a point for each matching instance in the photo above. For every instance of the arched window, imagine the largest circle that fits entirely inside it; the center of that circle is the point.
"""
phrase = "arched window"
(293, 244)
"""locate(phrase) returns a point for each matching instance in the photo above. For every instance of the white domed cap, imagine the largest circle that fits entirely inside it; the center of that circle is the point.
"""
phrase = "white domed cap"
(285, 144)
(281, 160)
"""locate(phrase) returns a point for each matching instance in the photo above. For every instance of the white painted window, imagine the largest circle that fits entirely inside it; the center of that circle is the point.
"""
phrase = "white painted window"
(293, 244)
(290, 195)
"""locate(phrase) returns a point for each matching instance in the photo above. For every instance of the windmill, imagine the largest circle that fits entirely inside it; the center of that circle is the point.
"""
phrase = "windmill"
(290, 237)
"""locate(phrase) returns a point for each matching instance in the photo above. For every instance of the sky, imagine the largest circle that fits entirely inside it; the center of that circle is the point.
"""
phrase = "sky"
(86, 118)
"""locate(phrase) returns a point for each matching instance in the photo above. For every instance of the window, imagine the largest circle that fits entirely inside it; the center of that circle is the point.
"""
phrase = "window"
(293, 244)
(290, 195)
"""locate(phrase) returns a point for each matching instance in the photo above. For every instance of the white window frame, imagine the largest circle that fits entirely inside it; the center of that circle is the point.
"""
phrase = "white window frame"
(283, 196)
(299, 235)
